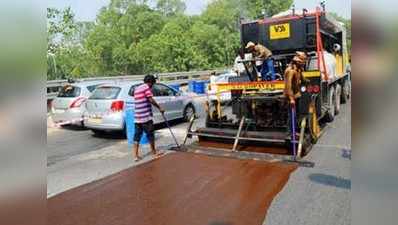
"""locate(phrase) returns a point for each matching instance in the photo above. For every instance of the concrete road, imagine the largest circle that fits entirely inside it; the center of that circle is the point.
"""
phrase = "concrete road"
(319, 195)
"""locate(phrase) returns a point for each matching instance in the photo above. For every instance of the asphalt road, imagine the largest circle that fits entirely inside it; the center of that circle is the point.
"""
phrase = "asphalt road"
(318, 195)
(322, 194)
(64, 143)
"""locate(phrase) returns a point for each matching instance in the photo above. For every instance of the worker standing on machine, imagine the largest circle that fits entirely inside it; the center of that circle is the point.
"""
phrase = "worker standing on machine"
(293, 77)
(262, 53)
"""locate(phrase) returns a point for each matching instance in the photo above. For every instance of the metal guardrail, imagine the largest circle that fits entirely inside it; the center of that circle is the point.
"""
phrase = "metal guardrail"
(53, 86)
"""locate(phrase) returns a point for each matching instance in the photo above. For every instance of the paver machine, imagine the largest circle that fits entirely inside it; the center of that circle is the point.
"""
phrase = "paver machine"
(257, 116)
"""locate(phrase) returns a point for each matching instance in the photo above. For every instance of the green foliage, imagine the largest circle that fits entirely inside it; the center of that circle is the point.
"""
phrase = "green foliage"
(60, 25)
(171, 7)
(129, 37)
(270, 7)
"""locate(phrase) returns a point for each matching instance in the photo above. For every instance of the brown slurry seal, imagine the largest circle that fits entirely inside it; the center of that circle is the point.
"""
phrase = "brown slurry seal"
(177, 189)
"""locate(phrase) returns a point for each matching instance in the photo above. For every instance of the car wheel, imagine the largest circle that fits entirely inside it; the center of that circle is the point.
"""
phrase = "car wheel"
(188, 112)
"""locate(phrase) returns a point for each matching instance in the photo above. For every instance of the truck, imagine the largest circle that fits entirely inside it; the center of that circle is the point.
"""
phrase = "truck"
(259, 112)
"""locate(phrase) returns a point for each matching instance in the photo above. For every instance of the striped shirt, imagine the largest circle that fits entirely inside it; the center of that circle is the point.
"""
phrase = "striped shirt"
(143, 107)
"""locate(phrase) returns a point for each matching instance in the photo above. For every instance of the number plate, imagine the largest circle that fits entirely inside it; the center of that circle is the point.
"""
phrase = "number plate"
(279, 31)
(95, 120)
(59, 110)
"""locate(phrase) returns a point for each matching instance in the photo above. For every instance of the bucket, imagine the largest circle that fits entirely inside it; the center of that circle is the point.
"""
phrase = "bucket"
(200, 87)
(130, 126)
(191, 86)
(175, 86)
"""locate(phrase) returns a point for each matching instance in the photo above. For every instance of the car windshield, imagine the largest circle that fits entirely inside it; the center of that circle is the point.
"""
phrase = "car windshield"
(69, 91)
(105, 93)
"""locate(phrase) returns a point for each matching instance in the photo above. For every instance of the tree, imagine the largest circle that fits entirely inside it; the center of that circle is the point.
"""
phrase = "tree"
(171, 7)
(130, 37)
(270, 7)
(60, 25)
(223, 13)
(116, 33)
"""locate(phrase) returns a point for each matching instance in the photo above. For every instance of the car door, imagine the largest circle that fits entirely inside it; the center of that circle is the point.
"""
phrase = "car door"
(176, 103)
(165, 96)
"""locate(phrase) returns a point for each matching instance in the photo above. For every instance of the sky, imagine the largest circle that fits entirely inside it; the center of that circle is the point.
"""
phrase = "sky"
(86, 10)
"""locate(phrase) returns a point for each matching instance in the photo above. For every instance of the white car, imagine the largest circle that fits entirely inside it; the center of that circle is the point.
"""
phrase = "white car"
(68, 107)
(220, 79)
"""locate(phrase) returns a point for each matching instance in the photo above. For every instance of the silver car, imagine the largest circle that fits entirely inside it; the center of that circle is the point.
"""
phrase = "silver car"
(106, 106)
(68, 107)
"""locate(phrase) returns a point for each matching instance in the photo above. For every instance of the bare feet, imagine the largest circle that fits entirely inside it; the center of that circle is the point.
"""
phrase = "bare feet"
(137, 158)
(158, 153)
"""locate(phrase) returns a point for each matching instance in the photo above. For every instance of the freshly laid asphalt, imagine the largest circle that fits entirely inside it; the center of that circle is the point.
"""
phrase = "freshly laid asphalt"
(318, 195)
(179, 188)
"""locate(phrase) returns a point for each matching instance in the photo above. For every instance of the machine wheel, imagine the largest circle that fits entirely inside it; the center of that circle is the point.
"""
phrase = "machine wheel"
(346, 91)
(331, 105)
(188, 112)
(337, 99)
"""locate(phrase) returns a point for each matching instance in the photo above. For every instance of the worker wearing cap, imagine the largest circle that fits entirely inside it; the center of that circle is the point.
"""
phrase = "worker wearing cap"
(293, 78)
(143, 101)
(259, 51)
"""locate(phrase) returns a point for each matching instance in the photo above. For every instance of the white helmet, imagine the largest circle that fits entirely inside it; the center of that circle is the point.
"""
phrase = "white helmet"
(336, 47)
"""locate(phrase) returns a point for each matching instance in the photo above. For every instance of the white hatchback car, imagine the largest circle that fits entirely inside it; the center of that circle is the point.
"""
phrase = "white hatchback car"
(106, 106)
(68, 107)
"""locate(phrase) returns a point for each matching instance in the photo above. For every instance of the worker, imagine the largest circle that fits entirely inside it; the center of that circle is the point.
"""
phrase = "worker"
(293, 78)
(143, 101)
(262, 53)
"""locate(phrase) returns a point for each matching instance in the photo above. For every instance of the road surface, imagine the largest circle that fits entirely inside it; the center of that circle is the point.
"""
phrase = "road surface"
(311, 196)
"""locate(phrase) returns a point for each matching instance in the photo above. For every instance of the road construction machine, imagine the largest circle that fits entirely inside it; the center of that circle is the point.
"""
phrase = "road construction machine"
(257, 116)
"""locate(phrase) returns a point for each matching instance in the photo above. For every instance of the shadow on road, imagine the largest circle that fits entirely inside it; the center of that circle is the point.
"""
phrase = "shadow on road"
(120, 135)
(220, 223)
(73, 127)
(113, 135)
(330, 180)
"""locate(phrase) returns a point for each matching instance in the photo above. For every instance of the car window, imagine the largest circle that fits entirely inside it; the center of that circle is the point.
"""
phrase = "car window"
(105, 92)
(91, 88)
(162, 90)
(69, 91)
(131, 91)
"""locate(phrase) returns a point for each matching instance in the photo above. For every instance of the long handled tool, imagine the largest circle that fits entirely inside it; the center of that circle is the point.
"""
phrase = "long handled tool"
(172, 134)
(293, 119)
